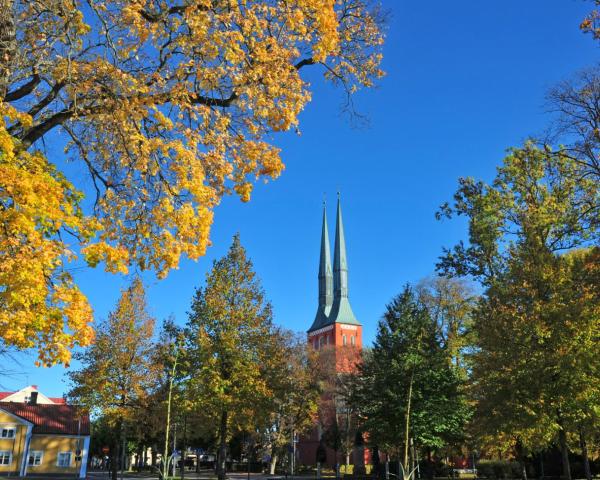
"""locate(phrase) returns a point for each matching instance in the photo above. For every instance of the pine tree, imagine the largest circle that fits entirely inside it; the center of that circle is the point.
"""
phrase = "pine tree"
(407, 389)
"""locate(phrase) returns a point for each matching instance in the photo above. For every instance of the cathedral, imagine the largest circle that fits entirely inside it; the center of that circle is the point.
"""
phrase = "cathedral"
(335, 323)
(337, 336)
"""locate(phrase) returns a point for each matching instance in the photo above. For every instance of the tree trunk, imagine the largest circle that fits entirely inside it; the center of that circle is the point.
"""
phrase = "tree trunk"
(221, 471)
(183, 448)
(122, 452)
(407, 420)
(8, 44)
(521, 459)
(564, 450)
(165, 460)
(114, 459)
(273, 463)
(584, 454)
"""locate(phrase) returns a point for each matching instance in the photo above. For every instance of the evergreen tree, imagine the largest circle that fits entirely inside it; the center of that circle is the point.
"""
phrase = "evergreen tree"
(406, 387)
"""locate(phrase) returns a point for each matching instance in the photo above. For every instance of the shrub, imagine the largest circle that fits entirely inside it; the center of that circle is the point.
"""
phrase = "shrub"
(499, 469)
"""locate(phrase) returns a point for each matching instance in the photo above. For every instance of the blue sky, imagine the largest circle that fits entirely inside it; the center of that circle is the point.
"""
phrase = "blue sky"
(465, 81)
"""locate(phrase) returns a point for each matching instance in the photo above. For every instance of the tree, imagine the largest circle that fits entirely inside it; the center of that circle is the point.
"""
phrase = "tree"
(295, 384)
(117, 371)
(450, 302)
(407, 389)
(231, 349)
(168, 106)
(591, 23)
(542, 383)
(537, 198)
(576, 103)
(531, 320)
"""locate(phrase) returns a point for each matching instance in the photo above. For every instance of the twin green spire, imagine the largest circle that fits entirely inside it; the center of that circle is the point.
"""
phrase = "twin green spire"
(334, 306)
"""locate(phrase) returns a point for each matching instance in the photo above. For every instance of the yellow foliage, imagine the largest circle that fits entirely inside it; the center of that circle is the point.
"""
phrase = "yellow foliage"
(169, 105)
(40, 306)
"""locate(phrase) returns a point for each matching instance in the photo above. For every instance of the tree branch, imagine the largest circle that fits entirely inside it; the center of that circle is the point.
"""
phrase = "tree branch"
(154, 17)
(24, 89)
(304, 62)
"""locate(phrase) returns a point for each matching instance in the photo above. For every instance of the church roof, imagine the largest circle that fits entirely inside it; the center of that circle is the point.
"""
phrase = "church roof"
(340, 310)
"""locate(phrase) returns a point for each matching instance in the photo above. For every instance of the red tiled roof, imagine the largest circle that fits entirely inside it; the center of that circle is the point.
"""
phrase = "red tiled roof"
(59, 419)
(5, 394)
(59, 400)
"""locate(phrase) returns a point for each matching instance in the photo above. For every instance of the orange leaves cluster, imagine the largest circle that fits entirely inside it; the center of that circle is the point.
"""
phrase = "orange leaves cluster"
(169, 105)
(591, 23)
(39, 303)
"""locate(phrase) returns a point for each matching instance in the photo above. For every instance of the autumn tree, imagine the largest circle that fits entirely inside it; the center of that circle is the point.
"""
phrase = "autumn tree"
(529, 324)
(231, 349)
(537, 197)
(407, 390)
(450, 302)
(335, 367)
(168, 106)
(294, 381)
(118, 371)
(591, 22)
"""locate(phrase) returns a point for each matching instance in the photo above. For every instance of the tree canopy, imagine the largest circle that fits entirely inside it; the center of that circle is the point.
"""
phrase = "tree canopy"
(168, 106)
(407, 387)
(232, 349)
(118, 371)
(532, 233)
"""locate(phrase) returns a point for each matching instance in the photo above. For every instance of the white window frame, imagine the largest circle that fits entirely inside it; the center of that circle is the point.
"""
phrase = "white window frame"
(58, 457)
(344, 339)
(8, 428)
(353, 340)
(33, 453)
(3, 453)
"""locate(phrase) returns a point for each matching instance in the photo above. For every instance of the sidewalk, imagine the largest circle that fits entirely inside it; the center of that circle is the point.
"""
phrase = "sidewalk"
(203, 475)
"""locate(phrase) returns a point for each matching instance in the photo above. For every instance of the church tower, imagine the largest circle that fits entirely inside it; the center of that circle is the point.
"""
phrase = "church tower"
(335, 324)
(337, 335)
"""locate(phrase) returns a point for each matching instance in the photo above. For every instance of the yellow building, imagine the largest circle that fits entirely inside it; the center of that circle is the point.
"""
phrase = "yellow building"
(45, 437)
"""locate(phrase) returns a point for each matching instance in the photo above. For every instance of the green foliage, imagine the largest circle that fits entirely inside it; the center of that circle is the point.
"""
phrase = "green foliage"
(536, 370)
(234, 352)
(230, 342)
(499, 469)
(538, 199)
(408, 346)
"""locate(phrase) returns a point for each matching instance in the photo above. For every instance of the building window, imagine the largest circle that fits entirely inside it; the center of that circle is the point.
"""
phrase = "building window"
(64, 459)
(343, 339)
(8, 432)
(316, 343)
(35, 458)
(321, 341)
(352, 341)
(5, 458)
